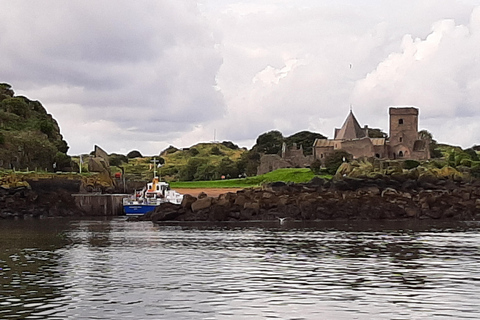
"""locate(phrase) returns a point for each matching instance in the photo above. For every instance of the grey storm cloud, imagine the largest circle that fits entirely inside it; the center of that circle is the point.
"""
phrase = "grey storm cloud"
(147, 74)
(122, 60)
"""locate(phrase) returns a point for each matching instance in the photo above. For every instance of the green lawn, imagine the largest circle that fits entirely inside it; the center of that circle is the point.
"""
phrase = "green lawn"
(285, 175)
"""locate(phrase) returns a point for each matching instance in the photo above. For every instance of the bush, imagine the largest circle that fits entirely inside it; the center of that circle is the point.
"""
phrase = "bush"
(410, 164)
(117, 159)
(335, 159)
(193, 152)
(216, 151)
(230, 145)
(316, 166)
(169, 150)
(466, 162)
(134, 154)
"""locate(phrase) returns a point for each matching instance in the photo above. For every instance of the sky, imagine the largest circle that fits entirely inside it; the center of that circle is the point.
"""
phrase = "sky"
(144, 75)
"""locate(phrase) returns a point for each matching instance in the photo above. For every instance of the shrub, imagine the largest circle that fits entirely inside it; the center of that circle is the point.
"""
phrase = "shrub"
(134, 154)
(216, 151)
(117, 159)
(193, 152)
(316, 166)
(230, 145)
(410, 164)
(169, 150)
(335, 159)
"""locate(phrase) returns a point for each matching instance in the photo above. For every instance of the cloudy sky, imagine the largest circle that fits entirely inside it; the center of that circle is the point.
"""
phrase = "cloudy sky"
(143, 75)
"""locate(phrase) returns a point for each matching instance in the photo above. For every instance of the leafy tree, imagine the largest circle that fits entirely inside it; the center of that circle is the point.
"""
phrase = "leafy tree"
(335, 159)
(472, 153)
(434, 151)
(187, 173)
(6, 91)
(63, 161)
(134, 154)
(270, 142)
(227, 168)
(16, 105)
(305, 139)
(117, 159)
(376, 133)
(46, 127)
(205, 171)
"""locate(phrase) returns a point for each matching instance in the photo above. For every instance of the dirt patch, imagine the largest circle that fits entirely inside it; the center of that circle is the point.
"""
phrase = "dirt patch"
(211, 192)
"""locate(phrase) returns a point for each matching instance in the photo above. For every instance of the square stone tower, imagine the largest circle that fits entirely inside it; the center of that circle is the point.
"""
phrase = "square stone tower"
(403, 131)
(403, 125)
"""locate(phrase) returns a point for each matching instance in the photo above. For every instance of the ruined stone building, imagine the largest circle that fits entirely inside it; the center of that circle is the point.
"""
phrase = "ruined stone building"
(403, 142)
(291, 157)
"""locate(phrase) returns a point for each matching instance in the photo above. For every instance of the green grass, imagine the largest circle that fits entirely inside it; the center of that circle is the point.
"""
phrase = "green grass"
(285, 175)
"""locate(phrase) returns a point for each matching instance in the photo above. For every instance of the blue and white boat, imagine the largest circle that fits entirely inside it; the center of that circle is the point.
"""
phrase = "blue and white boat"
(154, 194)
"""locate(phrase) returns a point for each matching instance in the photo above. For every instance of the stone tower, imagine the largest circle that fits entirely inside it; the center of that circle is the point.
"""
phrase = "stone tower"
(403, 131)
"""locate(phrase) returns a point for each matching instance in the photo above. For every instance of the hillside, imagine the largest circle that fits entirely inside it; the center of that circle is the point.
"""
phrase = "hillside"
(203, 161)
(29, 136)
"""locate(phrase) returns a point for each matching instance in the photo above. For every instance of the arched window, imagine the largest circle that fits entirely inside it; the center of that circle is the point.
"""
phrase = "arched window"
(400, 154)
(400, 139)
(400, 121)
(377, 155)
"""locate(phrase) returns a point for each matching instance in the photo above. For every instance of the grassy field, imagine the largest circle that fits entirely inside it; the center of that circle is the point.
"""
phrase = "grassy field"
(285, 175)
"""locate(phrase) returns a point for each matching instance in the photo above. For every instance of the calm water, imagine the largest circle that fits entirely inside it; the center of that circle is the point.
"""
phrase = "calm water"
(111, 269)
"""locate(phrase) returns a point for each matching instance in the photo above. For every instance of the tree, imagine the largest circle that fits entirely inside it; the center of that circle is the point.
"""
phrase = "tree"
(270, 142)
(227, 168)
(117, 159)
(187, 173)
(16, 105)
(134, 154)
(472, 153)
(376, 133)
(335, 159)
(434, 151)
(304, 138)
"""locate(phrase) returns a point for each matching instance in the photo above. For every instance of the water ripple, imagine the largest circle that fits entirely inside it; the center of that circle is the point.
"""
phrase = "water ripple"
(111, 269)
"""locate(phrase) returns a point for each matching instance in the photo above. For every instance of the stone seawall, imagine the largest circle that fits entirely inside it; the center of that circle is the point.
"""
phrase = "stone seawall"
(347, 199)
(55, 198)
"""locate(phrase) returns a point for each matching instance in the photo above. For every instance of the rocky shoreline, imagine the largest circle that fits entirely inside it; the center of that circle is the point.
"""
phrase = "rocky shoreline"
(344, 199)
(49, 198)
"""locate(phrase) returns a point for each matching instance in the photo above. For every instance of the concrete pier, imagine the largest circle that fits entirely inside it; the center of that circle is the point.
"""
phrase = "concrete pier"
(97, 204)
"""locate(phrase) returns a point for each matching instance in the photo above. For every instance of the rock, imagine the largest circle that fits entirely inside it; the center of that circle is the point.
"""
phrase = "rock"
(201, 204)
(187, 201)
(202, 195)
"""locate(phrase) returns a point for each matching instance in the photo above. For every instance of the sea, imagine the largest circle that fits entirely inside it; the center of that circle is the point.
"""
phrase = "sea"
(108, 268)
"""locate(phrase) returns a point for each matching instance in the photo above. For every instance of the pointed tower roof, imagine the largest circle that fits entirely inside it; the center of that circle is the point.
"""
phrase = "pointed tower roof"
(350, 129)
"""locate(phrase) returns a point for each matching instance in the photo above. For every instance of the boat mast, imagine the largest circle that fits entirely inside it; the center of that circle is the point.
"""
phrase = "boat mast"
(154, 167)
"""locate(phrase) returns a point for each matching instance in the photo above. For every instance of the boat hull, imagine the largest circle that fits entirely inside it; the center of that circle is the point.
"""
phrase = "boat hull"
(138, 209)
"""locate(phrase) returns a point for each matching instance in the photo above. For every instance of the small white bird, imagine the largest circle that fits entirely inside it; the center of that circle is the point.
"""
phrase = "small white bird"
(282, 220)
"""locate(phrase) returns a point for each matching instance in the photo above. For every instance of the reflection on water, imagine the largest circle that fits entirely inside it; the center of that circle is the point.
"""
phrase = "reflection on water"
(111, 269)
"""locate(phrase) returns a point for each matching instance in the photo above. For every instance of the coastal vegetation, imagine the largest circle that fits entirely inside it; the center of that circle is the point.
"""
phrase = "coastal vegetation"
(29, 137)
